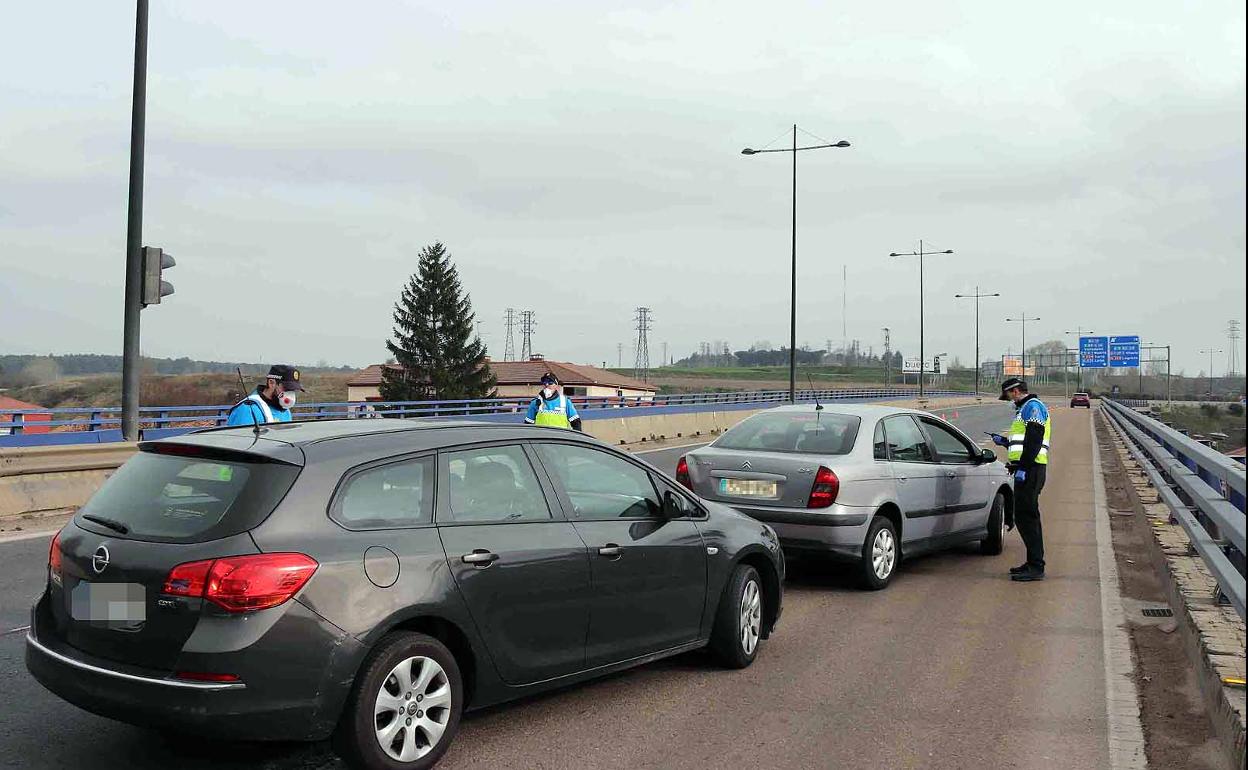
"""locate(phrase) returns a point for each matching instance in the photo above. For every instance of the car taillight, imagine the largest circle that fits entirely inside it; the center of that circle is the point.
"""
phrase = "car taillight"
(243, 583)
(823, 492)
(203, 676)
(682, 474)
(55, 560)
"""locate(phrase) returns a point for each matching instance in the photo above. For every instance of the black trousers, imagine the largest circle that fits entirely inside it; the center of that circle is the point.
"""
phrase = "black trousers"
(1027, 514)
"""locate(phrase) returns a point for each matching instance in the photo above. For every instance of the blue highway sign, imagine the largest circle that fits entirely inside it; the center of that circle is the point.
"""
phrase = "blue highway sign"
(1094, 352)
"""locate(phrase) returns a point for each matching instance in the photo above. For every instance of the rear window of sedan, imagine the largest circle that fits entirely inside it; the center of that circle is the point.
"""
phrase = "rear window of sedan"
(823, 433)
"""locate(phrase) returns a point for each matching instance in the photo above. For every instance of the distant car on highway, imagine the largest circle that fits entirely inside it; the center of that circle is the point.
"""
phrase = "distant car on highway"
(1081, 399)
(868, 484)
(372, 579)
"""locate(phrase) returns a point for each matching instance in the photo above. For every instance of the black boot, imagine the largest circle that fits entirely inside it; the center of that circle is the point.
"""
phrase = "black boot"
(1028, 575)
(1018, 569)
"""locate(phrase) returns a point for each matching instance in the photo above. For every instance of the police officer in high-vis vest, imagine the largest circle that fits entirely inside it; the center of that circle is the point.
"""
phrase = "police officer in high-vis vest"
(551, 408)
(1027, 453)
(270, 402)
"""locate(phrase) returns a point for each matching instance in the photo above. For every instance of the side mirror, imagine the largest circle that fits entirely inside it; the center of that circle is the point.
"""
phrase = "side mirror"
(671, 506)
(987, 456)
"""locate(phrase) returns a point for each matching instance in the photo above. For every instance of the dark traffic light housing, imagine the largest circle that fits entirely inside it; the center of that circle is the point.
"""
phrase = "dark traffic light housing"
(155, 261)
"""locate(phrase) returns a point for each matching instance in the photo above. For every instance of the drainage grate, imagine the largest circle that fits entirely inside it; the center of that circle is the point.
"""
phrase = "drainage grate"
(1158, 612)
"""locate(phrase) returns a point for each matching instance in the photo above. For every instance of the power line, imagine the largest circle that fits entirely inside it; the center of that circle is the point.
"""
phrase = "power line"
(641, 366)
(527, 322)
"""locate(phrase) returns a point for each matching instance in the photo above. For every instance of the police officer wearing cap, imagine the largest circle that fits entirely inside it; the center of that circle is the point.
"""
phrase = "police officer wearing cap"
(1027, 455)
(552, 408)
(270, 402)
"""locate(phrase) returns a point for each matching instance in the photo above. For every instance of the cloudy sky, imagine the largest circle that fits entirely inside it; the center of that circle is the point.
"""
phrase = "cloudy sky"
(1086, 160)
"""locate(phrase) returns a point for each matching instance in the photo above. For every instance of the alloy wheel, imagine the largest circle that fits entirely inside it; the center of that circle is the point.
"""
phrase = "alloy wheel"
(412, 709)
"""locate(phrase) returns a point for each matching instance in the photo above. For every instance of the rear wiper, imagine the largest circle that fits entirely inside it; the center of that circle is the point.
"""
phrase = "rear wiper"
(112, 524)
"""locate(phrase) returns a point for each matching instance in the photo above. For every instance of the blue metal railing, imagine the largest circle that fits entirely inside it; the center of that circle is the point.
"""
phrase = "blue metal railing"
(102, 424)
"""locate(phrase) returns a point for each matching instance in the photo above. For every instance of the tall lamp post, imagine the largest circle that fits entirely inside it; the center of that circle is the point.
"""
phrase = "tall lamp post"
(920, 254)
(1078, 331)
(793, 284)
(977, 295)
(1023, 320)
(1211, 353)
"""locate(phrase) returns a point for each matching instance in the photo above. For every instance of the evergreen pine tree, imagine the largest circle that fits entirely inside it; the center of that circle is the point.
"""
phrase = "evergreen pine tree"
(434, 338)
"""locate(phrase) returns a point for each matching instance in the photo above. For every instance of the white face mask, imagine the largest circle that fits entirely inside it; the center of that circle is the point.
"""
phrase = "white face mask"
(286, 400)
(548, 393)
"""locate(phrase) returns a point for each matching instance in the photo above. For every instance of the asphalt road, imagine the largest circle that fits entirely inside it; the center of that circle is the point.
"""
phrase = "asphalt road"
(953, 666)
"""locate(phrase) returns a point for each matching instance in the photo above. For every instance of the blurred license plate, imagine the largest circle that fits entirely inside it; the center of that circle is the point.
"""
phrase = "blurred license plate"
(113, 605)
(747, 488)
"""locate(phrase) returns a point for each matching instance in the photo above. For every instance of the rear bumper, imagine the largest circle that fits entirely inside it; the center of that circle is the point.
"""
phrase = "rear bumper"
(835, 531)
(281, 696)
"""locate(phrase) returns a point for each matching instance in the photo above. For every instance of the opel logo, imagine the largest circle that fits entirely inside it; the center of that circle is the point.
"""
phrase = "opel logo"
(746, 465)
(99, 561)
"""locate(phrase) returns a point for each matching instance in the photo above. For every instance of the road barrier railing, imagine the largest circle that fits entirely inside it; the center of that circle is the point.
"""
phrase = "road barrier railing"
(1200, 486)
(91, 425)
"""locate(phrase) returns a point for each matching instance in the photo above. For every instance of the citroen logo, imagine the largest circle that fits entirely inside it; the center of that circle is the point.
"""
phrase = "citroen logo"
(746, 465)
(99, 561)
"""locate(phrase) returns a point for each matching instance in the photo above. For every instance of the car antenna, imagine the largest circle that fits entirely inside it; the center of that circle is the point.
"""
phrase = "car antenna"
(818, 406)
(255, 424)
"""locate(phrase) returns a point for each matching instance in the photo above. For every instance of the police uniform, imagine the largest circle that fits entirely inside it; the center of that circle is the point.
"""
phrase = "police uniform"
(258, 410)
(1028, 454)
(554, 412)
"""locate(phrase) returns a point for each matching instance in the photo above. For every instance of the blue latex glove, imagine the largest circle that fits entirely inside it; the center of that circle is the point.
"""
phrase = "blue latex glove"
(999, 440)
(1020, 476)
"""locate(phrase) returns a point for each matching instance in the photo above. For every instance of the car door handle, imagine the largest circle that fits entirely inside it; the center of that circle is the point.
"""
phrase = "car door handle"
(611, 551)
(480, 558)
(902, 479)
(950, 474)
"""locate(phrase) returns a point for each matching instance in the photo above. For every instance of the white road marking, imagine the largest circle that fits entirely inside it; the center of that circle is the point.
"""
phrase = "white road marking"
(1122, 704)
(17, 536)
(666, 448)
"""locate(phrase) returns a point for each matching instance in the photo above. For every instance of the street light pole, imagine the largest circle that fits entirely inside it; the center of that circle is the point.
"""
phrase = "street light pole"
(977, 295)
(920, 254)
(793, 281)
(1211, 351)
(134, 236)
(1078, 332)
(1024, 321)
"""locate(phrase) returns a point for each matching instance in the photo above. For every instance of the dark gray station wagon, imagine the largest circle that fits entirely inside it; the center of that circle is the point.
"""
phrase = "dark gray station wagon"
(372, 579)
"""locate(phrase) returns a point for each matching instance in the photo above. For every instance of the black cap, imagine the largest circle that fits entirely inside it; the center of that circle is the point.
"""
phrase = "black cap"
(287, 374)
(1011, 384)
(549, 379)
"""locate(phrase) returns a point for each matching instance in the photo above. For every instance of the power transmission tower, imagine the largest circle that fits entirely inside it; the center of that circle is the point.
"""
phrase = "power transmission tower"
(888, 354)
(641, 367)
(527, 322)
(619, 355)
(509, 348)
(1232, 335)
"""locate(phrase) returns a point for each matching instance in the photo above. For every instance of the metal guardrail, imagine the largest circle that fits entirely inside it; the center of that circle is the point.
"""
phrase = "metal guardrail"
(102, 424)
(1214, 526)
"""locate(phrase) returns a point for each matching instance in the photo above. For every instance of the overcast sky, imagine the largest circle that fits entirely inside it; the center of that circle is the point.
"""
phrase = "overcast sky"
(1086, 160)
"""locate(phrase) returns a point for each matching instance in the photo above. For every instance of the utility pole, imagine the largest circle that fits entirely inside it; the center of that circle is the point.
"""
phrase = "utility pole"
(920, 254)
(844, 305)
(1211, 351)
(134, 235)
(977, 295)
(509, 347)
(641, 367)
(664, 355)
(1024, 321)
(528, 320)
(619, 355)
(888, 356)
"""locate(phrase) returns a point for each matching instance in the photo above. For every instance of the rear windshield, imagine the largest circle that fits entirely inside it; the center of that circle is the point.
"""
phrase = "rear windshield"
(823, 433)
(185, 499)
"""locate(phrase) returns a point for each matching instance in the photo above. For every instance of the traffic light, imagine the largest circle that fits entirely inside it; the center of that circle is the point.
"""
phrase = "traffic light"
(154, 287)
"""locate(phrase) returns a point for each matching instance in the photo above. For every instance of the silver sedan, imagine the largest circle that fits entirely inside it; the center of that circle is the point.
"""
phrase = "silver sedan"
(867, 483)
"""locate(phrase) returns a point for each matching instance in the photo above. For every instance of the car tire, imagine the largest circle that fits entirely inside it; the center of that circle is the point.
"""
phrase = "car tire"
(393, 674)
(994, 543)
(737, 633)
(880, 554)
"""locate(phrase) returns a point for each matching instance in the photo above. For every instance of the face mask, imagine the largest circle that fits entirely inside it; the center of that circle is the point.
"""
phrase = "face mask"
(548, 392)
(286, 400)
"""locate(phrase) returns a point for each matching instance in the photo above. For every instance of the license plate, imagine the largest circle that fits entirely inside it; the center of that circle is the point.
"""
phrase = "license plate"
(109, 605)
(747, 488)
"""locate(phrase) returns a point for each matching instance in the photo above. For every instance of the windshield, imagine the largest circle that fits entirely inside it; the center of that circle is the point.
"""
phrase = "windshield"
(186, 499)
(821, 433)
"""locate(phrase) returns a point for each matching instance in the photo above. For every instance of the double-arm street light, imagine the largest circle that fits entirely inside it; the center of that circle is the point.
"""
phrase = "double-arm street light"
(1023, 320)
(920, 254)
(977, 295)
(1211, 352)
(793, 284)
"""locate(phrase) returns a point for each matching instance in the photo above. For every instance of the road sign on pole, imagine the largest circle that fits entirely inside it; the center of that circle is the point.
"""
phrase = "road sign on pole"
(1124, 352)
(1094, 352)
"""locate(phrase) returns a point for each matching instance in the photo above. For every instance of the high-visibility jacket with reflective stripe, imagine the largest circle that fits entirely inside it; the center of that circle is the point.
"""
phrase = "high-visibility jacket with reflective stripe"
(1031, 410)
(556, 413)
